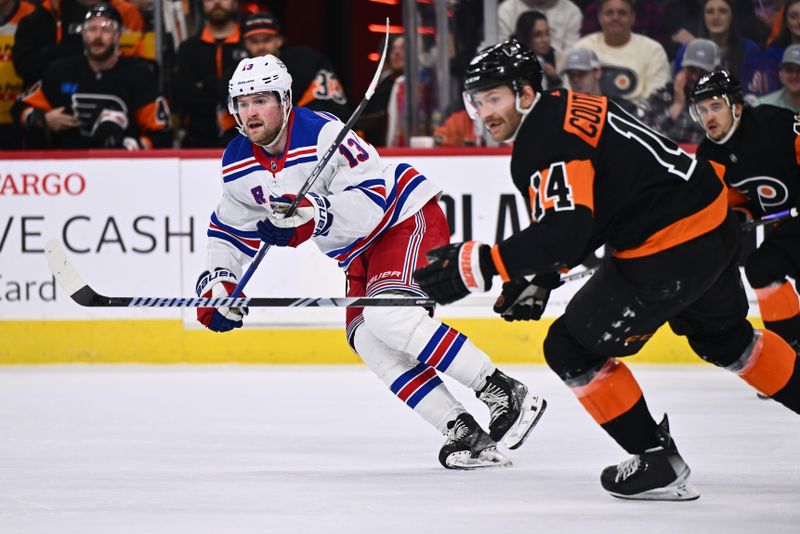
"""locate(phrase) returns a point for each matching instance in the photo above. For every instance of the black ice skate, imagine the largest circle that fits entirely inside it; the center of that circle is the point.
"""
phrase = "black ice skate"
(513, 411)
(468, 447)
(658, 474)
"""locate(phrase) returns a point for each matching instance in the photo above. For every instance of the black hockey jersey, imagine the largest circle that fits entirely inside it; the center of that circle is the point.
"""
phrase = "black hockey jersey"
(762, 158)
(129, 86)
(593, 175)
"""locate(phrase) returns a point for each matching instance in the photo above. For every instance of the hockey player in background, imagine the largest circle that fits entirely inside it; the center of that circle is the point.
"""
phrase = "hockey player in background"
(760, 149)
(96, 100)
(378, 221)
(593, 175)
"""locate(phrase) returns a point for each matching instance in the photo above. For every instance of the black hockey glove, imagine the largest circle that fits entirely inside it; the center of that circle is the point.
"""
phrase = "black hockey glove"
(109, 129)
(524, 300)
(456, 270)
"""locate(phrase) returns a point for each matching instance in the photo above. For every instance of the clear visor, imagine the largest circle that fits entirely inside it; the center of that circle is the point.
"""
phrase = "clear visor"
(709, 106)
(470, 105)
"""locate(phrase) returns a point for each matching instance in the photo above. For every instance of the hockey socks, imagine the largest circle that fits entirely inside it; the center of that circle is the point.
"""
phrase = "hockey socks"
(415, 384)
(770, 365)
(780, 310)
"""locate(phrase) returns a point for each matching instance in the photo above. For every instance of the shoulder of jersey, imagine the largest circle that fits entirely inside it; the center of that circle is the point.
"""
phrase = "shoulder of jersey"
(70, 65)
(769, 113)
(307, 126)
(238, 149)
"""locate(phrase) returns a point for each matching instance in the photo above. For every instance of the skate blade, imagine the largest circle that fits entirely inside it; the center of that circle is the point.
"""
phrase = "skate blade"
(681, 492)
(487, 458)
(532, 409)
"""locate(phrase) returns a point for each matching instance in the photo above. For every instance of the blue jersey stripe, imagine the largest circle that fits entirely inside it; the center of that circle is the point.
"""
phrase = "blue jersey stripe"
(420, 394)
(233, 241)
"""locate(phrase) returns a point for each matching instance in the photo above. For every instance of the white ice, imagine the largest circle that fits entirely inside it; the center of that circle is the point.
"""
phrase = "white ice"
(134, 449)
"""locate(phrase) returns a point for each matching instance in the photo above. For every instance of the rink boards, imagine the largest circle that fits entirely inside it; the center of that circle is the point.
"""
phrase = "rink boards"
(136, 226)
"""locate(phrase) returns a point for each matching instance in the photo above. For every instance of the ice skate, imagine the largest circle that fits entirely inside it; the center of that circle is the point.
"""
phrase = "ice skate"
(658, 474)
(468, 447)
(513, 410)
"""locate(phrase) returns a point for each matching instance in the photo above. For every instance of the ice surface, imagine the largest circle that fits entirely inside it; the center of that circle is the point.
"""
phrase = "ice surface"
(124, 449)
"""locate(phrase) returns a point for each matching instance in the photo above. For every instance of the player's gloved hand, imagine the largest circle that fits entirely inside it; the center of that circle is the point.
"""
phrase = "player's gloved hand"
(525, 300)
(311, 218)
(743, 214)
(219, 284)
(456, 270)
(109, 129)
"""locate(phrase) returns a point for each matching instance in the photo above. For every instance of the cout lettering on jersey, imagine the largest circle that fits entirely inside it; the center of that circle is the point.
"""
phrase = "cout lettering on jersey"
(585, 116)
(50, 184)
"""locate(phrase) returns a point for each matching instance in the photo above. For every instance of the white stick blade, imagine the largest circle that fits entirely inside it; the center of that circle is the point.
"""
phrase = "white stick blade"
(66, 275)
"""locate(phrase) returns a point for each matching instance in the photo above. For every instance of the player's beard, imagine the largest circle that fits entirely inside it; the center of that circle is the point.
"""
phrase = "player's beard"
(102, 55)
(265, 135)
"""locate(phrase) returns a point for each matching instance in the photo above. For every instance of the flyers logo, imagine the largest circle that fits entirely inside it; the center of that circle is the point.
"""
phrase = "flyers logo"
(769, 192)
(585, 116)
(88, 106)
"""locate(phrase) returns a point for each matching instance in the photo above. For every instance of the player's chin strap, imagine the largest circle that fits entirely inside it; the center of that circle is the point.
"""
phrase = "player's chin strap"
(524, 112)
(737, 117)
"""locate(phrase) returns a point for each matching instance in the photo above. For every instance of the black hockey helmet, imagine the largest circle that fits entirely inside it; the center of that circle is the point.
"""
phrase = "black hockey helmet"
(717, 83)
(507, 63)
(104, 10)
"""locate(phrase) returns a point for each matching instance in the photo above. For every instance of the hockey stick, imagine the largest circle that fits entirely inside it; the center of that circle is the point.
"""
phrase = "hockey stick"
(767, 219)
(320, 166)
(79, 291)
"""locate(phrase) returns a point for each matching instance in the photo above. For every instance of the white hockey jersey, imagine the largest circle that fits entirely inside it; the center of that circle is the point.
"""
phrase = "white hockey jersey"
(367, 196)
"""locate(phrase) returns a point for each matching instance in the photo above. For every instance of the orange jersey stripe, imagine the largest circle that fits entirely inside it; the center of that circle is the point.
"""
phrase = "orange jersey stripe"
(611, 393)
(38, 100)
(685, 229)
(770, 365)
(497, 259)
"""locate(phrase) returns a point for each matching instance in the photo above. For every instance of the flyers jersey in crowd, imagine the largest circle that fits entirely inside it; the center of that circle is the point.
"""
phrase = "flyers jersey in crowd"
(129, 87)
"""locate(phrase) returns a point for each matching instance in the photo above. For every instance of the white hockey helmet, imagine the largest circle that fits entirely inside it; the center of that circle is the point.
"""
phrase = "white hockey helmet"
(261, 75)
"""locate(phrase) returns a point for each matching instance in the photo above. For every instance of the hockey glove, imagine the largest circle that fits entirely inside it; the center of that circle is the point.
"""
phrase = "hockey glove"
(311, 218)
(219, 284)
(456, 270)
(109, 129)
(525, 300)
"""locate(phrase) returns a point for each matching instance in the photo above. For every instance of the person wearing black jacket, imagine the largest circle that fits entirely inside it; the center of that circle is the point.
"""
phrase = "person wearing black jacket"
(98, 99)
(199, 77)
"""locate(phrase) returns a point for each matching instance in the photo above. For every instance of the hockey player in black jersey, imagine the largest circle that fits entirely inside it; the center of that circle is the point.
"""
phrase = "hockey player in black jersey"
(96, 100)
(760, 149)
(594, 175)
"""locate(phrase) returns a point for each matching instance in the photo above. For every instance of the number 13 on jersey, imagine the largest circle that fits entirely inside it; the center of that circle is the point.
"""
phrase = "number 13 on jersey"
(562, 187)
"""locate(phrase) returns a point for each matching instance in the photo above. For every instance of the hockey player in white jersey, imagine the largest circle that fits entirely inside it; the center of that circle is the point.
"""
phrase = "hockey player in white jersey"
(378, 221)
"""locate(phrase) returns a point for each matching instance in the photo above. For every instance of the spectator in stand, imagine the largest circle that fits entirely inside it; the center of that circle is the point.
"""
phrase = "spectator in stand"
(97, 99)
(53, 32)
(740, 55)
(634, 65)
(11, 12)
(314, 83)
(374, 120)
(583, 72)
(667, 110)
(682, 19)
(563, 16)
(649, 19)
(201, 65)
(789, 95)
(789, 35)
(533, 31)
